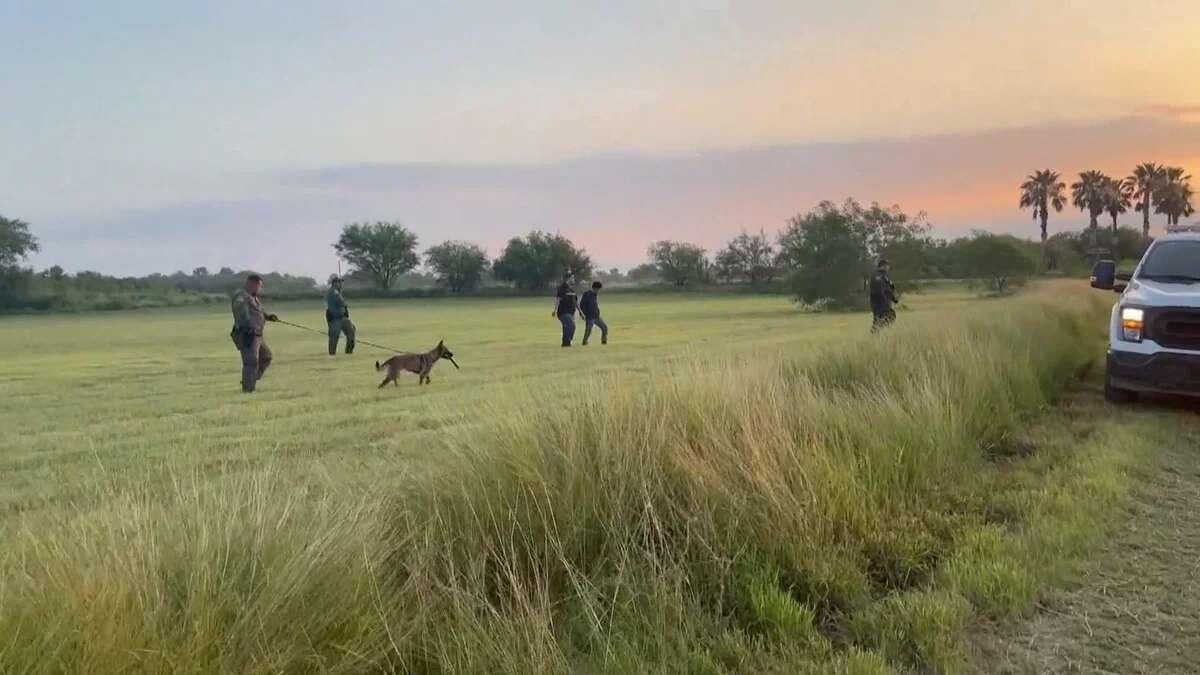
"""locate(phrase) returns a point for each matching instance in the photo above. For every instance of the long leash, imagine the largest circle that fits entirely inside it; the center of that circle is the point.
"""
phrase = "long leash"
(326, 333)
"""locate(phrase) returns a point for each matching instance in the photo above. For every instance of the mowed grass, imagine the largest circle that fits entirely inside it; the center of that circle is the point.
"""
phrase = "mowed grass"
(107, 396)
(730, 486)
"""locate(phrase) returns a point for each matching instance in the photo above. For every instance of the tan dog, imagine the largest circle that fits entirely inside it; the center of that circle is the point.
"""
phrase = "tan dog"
(420, 364)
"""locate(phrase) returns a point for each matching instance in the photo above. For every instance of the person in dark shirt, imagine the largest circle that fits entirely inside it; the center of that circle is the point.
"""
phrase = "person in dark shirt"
(565, 307)
(589, 307)
(883, 296)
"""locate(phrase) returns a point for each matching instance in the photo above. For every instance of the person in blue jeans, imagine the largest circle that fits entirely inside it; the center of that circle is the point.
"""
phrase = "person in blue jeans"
(589, 307)
(565, 306)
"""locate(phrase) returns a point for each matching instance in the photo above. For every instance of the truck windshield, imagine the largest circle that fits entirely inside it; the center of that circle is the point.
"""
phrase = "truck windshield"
(1172, 262)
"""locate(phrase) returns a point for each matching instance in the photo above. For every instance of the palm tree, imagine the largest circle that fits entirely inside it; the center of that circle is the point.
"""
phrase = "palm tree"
(1145, 179)
(1116, 199)
(1184, 197)
(1173, 197)
(1087, 194)
(1042, 190)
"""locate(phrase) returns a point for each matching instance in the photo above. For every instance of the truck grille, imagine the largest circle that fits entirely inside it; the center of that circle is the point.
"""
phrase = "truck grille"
(1174, 328)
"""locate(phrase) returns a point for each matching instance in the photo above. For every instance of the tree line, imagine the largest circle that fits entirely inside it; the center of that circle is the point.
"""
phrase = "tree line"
(379, 253)
(824, 255)
(1166, 190)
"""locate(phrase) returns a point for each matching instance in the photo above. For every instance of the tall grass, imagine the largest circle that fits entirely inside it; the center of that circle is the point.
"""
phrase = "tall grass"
(767, 511)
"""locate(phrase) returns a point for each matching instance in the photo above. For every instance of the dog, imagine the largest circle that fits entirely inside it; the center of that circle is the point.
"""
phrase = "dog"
(420, 364)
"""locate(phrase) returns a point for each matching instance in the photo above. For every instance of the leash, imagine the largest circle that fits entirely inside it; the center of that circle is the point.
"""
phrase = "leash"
(326, 333)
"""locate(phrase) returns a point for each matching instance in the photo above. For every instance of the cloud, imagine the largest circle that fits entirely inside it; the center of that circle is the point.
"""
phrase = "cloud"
(617, 205)
(1189, 113)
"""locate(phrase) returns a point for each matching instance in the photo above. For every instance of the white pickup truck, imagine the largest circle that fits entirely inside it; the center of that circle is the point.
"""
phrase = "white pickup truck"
(1154, 332)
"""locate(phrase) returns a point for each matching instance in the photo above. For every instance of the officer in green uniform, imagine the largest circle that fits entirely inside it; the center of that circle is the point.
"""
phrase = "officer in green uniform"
(248, 322)
(337, 317)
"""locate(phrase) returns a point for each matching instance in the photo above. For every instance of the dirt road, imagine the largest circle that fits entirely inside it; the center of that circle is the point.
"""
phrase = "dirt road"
(1137, 608)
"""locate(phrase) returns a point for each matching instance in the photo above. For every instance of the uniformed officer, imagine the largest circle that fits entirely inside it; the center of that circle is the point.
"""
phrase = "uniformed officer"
(337, 316)
(248, 322)
(883, 296)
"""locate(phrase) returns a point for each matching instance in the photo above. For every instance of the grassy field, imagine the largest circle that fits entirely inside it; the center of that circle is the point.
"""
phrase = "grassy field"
(103, 397)
(730, 486)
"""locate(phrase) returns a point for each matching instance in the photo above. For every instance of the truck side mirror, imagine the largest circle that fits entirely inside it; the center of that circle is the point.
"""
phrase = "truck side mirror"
(1104, 275)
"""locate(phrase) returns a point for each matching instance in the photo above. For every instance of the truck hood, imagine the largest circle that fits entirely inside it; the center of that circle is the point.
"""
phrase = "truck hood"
(1159, 294)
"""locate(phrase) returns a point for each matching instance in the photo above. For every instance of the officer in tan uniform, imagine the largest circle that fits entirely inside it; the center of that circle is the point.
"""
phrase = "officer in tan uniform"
(248, 321)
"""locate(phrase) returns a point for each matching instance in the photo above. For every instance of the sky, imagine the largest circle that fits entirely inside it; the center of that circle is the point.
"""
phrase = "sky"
(141, 136)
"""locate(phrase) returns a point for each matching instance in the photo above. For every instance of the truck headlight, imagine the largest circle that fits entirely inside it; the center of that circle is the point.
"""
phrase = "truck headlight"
(1131, 324)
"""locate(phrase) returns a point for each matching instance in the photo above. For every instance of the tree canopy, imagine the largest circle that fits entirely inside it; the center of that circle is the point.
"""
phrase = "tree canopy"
(829, 252)
(1000, 259)
(1087, 195)
(1117, 194)
(1043, 191)
(538, 259)
(1173, 195)
(825, 252)
(1143, 183)
(16, 242)
(749, 257)
(891, 233)
(679, 262)
(458, 265)
(644, 273)
(380, 251)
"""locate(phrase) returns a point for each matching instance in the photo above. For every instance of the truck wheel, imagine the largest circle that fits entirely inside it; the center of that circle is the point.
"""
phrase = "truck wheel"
(1114, 395)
